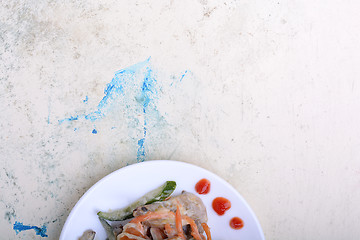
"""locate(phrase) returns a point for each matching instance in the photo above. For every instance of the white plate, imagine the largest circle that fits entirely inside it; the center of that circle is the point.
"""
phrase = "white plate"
(129, 183)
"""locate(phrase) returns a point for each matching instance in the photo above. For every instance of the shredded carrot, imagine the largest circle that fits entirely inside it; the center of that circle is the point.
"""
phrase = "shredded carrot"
(207, 230)
(194, 230)
(135, 229)
(178, 223)
(124, 238)
(169, 230)
(135, 232)
(141, 228)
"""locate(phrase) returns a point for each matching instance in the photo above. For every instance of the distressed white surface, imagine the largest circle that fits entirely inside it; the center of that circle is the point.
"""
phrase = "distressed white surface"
(272, 105)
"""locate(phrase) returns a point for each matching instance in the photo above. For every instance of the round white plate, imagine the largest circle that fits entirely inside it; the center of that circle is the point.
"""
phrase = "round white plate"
(129, 183)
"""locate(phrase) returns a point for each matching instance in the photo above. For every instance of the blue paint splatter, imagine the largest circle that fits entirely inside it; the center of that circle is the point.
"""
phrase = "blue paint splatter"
(177, 80)
(75, 129)
(112, 91)
(86, 99)
(69, 119)
(141, 148)
(182, 76)
(18, 227)
(133, 91)
(148, 91)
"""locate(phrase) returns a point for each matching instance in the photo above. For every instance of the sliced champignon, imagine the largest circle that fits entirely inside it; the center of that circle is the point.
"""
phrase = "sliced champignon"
(117, 229)
(187, 230)
(88, 235)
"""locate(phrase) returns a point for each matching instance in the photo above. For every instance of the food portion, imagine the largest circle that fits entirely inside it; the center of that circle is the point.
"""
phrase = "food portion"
(158, 216)
(180, 217)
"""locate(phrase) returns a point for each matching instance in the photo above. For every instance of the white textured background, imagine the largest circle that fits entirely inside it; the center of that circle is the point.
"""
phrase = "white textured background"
(271, 103)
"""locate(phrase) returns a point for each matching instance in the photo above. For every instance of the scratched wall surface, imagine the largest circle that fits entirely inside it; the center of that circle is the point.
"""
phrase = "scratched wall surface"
(266, 94)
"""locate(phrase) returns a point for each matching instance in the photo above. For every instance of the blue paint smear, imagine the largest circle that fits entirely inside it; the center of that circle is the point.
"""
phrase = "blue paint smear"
(182, 76)
(69, 119)
(176, 81)
(141, 149)
(18, 227)
(112, 91)
(86, 99)
(116, 93)
(148, 91)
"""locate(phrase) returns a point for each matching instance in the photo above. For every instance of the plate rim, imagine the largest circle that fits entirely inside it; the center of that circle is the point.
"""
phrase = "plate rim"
(165, 161)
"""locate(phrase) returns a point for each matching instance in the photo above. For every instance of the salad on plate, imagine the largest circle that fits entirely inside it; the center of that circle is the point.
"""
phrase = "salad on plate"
(157, 216)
